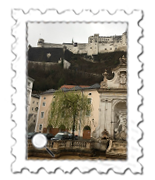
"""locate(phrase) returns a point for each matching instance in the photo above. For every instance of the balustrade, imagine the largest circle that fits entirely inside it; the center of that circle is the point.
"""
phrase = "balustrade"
(62, 144)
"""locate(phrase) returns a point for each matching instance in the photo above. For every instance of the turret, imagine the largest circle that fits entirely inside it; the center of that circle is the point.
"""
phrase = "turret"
(124, 39)
(40, 43)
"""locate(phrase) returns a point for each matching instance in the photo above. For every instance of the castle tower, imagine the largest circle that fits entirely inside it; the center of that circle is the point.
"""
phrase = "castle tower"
(124, 39)
(96, 44)
(40, 43)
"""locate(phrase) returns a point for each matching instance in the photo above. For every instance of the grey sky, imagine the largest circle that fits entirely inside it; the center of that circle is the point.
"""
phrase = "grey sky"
(65, 32)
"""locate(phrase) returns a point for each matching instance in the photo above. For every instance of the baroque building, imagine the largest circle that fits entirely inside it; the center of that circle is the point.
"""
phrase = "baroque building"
(33, 110)
(96, 44)
(113, 104)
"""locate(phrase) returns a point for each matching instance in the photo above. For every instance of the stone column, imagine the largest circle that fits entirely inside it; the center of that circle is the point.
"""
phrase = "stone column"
(105, 116)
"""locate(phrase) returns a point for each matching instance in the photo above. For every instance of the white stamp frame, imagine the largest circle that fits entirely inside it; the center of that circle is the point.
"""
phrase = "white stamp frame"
(19, 65)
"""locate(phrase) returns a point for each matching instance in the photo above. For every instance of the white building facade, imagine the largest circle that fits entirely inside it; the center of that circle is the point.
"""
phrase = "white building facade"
(30, 82)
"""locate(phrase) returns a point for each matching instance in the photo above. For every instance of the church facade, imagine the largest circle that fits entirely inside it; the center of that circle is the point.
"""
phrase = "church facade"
(113, 104)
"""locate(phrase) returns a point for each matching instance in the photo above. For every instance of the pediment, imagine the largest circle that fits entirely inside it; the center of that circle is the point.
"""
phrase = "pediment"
(119, 80)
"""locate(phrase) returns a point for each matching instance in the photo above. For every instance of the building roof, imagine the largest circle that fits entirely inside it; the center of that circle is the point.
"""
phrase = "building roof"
(49, 91)
(94, 86)
(66, 88)
(35, 95)
(31, 79)
(72, 86)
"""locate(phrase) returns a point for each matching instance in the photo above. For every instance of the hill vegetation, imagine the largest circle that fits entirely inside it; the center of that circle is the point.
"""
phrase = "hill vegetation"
(84, 70)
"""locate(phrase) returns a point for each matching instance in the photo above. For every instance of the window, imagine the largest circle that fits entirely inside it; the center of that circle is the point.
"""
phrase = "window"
(105, 48)
(32, 109)
(37, 103)
(42, 114)
(44, 97)
(44, 103)
(110, 48)
(89, 94)
(33, 102)
(34, 121)
(40, 127)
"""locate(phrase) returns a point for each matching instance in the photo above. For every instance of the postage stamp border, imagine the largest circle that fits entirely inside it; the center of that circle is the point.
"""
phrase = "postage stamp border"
(9, 90)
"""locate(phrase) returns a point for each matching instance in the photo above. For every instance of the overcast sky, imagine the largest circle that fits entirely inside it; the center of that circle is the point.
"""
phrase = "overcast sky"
(65, 32)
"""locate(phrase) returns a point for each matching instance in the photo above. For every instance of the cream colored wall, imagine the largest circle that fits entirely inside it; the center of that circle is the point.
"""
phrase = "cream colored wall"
(88, 119)
(94, 116)
(45, 109)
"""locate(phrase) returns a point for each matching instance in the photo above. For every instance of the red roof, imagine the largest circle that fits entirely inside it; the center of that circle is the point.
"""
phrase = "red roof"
(71, 86)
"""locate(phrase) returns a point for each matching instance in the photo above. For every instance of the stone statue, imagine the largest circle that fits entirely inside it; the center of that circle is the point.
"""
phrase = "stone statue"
(122, 78)
(122, 60)
(121, 130)
(103, 84)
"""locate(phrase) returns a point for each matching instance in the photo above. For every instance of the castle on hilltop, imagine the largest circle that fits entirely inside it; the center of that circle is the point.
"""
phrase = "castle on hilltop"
(96, 44)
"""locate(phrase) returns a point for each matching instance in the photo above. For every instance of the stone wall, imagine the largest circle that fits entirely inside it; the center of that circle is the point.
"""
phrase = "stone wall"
(96, 44)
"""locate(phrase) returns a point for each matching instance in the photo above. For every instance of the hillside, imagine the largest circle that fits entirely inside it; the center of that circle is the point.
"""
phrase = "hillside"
(84, 70)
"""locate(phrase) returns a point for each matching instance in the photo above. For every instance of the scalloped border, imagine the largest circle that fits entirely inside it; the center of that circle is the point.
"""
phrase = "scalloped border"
(144, 91)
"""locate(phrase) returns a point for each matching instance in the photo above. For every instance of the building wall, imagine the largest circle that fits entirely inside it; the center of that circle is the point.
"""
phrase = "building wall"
(96, 44)
(33, 105)
(47, 99)
(91, 120)
(32, 116)
(94, 116)
(29, 92)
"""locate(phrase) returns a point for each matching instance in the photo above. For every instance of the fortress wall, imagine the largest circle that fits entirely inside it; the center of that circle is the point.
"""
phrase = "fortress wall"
(108, 47)
(50, 45)
(82, 48)
(122, 48)
(105, 39)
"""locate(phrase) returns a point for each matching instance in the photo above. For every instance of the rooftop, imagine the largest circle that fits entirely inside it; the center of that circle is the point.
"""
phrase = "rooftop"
(72, 86)
(35, 95)
(66, 88)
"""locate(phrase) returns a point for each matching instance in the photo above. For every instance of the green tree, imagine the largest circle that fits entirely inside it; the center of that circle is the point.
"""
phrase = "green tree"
(74, 106)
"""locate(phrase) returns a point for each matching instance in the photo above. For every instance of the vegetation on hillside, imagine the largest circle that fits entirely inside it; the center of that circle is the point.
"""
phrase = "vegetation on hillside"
(83, 71)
